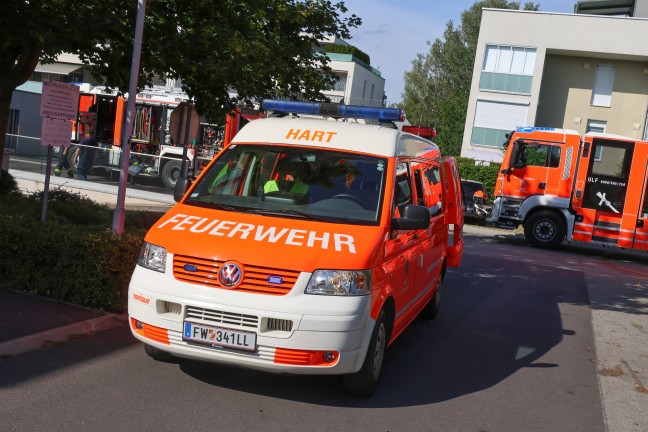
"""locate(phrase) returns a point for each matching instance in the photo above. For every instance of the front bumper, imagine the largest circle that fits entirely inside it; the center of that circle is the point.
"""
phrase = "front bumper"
(292, 330)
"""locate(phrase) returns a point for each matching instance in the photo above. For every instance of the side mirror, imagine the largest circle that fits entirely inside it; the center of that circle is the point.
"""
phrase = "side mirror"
(181, 187)
(414, 217)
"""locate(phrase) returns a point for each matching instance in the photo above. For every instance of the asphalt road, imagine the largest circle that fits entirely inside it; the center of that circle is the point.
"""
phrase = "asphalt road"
(526, 340)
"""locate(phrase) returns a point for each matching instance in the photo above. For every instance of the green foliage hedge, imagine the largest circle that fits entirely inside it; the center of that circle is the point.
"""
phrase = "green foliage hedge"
(73, 256)
(349, 49)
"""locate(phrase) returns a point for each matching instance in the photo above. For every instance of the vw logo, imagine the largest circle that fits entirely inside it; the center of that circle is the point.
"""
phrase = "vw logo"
(230, 275)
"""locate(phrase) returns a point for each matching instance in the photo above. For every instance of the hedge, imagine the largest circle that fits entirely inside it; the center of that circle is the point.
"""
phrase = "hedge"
(348, 49)
(73, 256)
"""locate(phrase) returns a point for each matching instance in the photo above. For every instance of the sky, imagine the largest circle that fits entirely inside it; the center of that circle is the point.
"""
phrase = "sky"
(393, 32)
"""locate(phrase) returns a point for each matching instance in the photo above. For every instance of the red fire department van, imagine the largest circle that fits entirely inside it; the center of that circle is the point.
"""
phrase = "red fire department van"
(306, 246)
(561, 186)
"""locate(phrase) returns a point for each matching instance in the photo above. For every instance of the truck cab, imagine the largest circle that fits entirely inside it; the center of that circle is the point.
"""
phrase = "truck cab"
(560, 186)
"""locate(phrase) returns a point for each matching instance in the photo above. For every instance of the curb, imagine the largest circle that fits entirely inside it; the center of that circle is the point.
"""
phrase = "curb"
(57, 335)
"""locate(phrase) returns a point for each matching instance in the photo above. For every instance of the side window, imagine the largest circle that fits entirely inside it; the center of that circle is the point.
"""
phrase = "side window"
(538, 155)
(554, 157)
(645, 202)
(418, 182)
(432, 185)
(403, 192)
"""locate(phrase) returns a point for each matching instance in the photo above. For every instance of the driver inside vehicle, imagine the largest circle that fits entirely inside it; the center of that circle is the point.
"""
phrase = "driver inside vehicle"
(289, 177)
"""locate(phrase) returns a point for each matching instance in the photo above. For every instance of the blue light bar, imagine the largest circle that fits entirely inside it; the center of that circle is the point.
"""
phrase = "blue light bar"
(333, 110)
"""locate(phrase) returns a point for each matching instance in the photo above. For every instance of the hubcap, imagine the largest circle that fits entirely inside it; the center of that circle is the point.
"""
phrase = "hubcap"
(544, 230)
(379, 352)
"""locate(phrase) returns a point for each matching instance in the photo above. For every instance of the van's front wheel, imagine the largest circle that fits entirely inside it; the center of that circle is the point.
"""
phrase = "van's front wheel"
(545, 229)
(157, 354)
(365, 381)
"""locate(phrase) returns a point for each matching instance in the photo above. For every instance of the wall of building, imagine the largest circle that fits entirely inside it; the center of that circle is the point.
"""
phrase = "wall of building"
(566, 95)
(28, 141)
(601, 39)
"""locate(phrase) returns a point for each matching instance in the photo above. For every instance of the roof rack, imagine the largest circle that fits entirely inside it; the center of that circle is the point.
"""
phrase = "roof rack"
(336, 110)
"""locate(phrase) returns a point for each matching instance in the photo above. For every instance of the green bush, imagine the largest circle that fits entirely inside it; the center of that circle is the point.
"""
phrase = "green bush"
(8, 185)
(73, 256)
(349, 49)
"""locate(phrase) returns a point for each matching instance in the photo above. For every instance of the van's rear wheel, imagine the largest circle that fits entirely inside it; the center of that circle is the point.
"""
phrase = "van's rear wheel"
(430, 311)
(365, 381)
(545, 229)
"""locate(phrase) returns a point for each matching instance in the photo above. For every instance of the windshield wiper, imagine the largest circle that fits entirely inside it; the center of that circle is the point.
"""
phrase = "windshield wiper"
(213, 205)
(283, 212)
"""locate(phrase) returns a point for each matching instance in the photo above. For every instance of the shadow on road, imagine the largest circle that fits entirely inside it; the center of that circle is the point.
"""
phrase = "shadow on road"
(494, 321)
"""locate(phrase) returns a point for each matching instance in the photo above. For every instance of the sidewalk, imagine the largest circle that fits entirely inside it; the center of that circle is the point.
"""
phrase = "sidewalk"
(30, 322)
(98, 192)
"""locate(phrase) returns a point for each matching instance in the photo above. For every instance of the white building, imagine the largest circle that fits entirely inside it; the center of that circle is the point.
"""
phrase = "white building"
(358, 83)
(573, 71)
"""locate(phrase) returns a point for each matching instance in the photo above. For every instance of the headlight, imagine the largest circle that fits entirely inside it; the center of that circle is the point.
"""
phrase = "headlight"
(152, 257)
(339, 282)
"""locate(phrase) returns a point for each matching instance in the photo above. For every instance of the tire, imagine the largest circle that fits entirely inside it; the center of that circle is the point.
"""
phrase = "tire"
(157, 354)
(171, 173)
(431, 310)
(545, 229)
(73, 157)
(365, 381)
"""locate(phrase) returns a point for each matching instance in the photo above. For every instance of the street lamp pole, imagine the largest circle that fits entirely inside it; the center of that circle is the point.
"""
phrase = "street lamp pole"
(120, 211)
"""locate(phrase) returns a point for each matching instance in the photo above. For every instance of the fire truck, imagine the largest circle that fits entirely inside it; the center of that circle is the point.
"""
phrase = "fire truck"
(561, 186)
(153, 152)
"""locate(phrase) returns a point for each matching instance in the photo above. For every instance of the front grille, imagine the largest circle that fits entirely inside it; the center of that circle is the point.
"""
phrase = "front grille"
(279, 324)
(216, 317)
(255, 278)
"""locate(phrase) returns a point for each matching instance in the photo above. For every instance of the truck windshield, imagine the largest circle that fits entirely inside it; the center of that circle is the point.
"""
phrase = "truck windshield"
(295, 182)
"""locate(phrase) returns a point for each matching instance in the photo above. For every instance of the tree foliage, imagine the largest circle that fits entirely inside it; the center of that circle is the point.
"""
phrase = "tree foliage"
(258, 47)
(438, 85)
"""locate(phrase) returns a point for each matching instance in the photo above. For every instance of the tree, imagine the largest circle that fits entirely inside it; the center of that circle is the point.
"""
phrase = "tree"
(438, 85)
(258, 47)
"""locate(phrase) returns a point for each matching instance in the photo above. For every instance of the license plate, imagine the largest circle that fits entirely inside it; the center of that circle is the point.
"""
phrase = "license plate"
(217, 336)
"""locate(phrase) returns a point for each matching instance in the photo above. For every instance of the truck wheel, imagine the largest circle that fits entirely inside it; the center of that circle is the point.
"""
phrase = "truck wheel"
(365, 381)
(73, 157)
(545, 229)
(430, 311)
(157, 354)
(171, 173)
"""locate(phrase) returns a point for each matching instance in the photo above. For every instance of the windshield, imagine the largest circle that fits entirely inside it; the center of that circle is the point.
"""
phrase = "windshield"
(286, 181)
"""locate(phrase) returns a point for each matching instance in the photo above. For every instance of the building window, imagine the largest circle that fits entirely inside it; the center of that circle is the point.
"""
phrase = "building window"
(364, 90)
(508, 69)
(493, 120)
(603, 83)
(597, 126)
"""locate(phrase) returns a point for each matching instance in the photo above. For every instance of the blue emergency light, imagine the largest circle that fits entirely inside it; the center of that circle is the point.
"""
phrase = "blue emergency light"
(333, 110)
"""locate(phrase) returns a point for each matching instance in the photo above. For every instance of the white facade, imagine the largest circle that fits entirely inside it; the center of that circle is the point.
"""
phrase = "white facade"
(533, 68)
